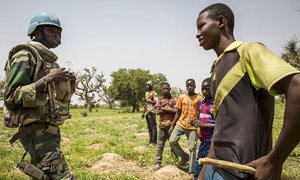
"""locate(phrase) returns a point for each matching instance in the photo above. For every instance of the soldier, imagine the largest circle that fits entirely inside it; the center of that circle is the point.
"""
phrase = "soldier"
(37, 98)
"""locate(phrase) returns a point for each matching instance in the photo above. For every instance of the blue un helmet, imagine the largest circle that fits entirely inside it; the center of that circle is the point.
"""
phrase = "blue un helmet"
(43, 19)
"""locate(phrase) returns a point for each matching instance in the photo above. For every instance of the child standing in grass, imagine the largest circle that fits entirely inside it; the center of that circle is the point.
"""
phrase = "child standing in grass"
(165, 107)
(206, 122)
(151, 98)
(187, 108)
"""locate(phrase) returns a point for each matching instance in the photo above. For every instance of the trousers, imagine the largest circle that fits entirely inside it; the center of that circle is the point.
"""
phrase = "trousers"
(151, 125)
(43, 146)
(192, 139)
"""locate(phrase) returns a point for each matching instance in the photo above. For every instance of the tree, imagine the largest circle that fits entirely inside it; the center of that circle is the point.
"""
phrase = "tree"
(291, 52)
(158, 79)
(108, 95)
(87, 84)
(130, 85)
(176, 92)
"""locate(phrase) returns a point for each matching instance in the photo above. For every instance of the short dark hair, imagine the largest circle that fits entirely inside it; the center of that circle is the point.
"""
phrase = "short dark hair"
(190, 80)
(165, 83)
(215, 10)
(206, 80)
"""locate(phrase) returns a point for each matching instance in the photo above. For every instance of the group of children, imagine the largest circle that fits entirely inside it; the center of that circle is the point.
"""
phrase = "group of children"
(178, 117)
(244, 79)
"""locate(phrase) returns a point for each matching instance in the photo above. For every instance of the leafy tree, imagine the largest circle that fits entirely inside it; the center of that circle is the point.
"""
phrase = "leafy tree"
(176, 92)
(130, 85)
(291, 52)
(158, 79)
(87, 84)
(108, 95)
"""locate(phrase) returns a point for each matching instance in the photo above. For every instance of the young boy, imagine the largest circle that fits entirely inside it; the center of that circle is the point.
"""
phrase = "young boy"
(165, 107)
(187, 108)
(243, 77)
(151, 98)
(206, 122)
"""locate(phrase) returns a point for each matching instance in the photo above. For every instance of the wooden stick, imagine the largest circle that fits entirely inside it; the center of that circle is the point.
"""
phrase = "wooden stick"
(227, 165)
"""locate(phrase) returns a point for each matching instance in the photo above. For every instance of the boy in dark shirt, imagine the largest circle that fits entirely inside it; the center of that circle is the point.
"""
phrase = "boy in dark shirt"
(244, 77)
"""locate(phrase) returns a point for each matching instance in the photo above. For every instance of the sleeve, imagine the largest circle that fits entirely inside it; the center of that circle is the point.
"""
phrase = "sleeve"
(179, 102)
(19, 89)
(264, 67)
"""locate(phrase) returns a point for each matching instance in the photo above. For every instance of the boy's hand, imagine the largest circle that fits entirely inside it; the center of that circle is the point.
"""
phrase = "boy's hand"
(266, 169)
(195, 122)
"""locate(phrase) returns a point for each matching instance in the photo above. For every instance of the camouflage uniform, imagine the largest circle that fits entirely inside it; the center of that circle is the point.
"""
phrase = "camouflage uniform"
(37, 114)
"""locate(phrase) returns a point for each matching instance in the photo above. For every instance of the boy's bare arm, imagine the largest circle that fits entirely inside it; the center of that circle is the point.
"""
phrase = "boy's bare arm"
(168, 110)
(270, 166)
(143, 114)
(177, 115)
(206, 125)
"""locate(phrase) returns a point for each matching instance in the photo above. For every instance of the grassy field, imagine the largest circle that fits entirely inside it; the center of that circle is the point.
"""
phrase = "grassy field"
(86, 140)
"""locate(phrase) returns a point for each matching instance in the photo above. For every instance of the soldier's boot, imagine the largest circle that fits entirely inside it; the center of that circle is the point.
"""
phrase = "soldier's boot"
(55, 166)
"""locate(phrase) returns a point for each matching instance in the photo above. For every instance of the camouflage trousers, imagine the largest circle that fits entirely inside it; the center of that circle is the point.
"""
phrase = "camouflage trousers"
(43, 145)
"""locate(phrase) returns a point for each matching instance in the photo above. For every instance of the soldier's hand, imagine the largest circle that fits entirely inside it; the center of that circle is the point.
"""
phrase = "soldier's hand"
(71, 76)
(57, 74)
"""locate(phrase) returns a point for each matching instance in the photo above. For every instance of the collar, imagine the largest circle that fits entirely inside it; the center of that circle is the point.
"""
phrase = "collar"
(43, 51)
(211, 101)
(231, 47)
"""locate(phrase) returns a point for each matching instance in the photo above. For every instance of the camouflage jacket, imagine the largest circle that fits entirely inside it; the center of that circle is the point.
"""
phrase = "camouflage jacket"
(24, 67)
(19, 87)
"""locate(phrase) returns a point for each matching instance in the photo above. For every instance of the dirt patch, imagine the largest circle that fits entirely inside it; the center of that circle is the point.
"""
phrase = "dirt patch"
(96, 146)
(140, 149)
(141, 135)
(90, 131)
(112, 163)
(169, 172)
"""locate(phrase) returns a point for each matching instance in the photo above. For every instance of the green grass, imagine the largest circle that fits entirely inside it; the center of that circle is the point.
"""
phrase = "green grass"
(86, 139)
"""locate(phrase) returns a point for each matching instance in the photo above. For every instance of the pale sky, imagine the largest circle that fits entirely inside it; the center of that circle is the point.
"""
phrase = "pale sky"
(157, 35)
